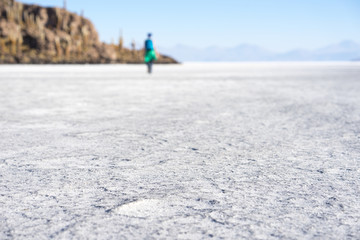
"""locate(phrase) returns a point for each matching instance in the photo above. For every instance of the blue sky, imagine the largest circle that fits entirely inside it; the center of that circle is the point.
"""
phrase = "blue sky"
(278, 25)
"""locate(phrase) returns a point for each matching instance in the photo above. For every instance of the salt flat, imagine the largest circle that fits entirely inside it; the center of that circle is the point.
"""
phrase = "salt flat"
(195, 151)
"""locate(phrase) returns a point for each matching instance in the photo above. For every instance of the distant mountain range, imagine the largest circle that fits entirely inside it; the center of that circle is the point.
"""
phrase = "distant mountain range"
(343, 51)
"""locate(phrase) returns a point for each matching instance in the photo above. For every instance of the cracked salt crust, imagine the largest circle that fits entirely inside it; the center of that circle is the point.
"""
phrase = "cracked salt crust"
(235, 151)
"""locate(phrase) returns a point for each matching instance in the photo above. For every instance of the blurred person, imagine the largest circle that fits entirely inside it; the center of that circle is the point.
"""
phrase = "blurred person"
(149, 53)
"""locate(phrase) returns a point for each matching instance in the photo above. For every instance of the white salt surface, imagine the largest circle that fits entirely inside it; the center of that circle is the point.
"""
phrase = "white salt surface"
(240, 150)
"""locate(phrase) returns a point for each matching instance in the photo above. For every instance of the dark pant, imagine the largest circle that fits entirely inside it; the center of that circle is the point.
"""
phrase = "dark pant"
(149, 65)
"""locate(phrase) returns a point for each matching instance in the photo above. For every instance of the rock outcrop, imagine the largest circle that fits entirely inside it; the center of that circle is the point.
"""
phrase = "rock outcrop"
(34, 34)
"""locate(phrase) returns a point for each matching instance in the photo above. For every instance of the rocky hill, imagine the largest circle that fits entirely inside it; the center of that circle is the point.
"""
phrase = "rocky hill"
(34, 34)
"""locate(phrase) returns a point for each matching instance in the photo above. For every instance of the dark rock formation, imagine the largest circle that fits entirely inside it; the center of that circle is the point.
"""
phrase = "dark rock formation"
(34, 34)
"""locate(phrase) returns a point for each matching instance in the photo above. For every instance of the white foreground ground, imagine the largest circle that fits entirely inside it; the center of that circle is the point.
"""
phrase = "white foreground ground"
(257, 151)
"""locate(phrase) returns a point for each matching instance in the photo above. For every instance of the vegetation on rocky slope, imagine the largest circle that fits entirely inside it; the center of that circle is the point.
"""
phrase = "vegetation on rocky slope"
(34, 34)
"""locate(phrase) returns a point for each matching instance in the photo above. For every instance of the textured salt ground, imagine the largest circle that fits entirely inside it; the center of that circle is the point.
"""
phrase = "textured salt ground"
(260, 151)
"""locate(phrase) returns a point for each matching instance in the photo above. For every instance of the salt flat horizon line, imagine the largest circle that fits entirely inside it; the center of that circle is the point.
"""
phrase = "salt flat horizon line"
(191, 62)
(270, 62)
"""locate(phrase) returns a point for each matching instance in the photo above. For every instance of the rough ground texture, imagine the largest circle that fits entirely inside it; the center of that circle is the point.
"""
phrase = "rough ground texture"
(260, 151)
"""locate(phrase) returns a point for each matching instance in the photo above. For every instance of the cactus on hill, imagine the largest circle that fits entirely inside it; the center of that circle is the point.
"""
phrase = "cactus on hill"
(34, 34)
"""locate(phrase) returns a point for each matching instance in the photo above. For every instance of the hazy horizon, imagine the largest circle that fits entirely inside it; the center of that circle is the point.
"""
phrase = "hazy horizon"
(343, 51)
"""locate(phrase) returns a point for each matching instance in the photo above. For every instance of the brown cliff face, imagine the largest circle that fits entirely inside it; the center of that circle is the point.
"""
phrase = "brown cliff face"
(33, 34)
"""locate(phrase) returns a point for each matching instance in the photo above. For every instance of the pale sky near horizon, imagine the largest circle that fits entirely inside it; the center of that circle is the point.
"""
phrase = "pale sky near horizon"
(277, 25)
